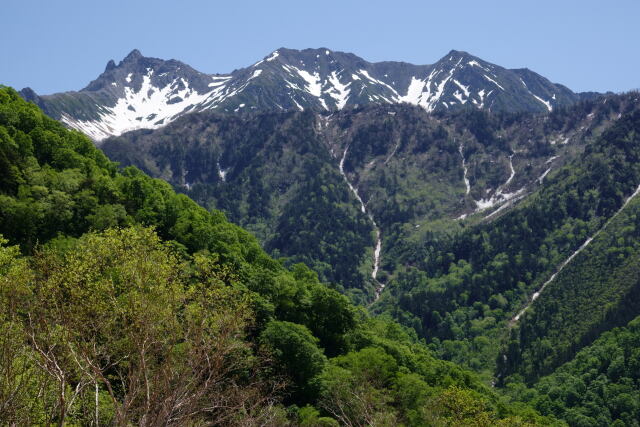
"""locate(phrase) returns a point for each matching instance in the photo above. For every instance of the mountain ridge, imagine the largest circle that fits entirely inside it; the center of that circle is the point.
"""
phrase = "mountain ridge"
(146, 93)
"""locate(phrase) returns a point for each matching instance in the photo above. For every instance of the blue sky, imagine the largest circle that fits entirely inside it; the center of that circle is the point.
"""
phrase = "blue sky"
(60, 45)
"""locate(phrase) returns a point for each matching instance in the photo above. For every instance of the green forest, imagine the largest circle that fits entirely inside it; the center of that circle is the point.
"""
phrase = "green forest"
(124, 301)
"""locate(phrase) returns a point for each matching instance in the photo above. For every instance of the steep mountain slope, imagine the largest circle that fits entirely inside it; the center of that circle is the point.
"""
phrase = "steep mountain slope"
(146, 93)
(601, 386)
(463, 290)
(189, 322)
(315, 187)
(598, 289)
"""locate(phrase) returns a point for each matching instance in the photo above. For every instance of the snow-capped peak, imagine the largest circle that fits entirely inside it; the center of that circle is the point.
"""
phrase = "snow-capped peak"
(142, 92)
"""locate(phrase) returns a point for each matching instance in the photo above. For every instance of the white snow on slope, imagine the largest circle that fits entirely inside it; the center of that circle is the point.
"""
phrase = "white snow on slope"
(464, 88)
(151, 107)
(475, 63)
(465, 169)
(273, 56)
(314, 87)
(380, 82)
(457, 95)
(393, 152)
(147, 108)
(500, 196)
(339, 92)
(255, 74)
(222, 173)
(493, 81)
(218, 80)
(414, 91)
(544, 174)
(546, 103)
(427, 93)
(300, 107)
(363, 208)
(481, 95)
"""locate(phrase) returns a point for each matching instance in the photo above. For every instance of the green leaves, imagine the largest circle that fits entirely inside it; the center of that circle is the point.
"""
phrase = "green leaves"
(170, 319)
(297, 355)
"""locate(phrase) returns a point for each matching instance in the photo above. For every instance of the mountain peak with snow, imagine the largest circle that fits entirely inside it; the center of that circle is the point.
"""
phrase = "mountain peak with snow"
(142, 92)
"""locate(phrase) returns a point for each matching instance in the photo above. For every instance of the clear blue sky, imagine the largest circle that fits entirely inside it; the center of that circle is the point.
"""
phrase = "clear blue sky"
(61, 45)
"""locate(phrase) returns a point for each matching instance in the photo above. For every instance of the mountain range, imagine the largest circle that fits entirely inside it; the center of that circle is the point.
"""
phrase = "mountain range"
(490, 213)
(147, 93)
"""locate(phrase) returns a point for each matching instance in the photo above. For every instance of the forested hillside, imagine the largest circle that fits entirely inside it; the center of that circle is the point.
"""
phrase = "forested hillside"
(126, 303)
(278, 175)
(463, 290)
(599, 387)
(509, 248)
(600, 288)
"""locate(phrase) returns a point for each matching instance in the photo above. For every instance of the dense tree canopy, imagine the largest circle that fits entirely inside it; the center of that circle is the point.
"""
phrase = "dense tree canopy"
(123, 302)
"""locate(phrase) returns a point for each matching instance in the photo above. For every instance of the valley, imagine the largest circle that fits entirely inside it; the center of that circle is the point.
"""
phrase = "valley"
(378, 242)
(467, 230)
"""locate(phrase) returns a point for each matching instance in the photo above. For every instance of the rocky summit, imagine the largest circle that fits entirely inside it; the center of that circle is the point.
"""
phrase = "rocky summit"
(147, 93)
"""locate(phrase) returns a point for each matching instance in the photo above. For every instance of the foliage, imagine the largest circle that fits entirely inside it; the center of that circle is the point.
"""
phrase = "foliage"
(118, 332)
(599, 387)
(269, 174)
(597, 291)
(176, 316)
(296, 351)
(464, 288)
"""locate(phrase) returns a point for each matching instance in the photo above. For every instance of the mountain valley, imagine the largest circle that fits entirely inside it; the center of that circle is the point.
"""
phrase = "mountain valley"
(455, 243)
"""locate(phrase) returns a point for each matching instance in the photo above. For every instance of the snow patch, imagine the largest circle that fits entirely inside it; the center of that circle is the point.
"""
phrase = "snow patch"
(218, 81)
(464, 88)
(297, 105)
(546, 103)
(380, 82)
(541, 177)
(457, 95)
(550, 159)
(475, 63)
(314, 87)
(378, 247)
(465, 169)
(150, 107)
(492, 81)
(222, 173)
(500, 196)
(339, 92)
